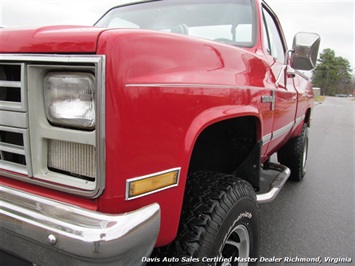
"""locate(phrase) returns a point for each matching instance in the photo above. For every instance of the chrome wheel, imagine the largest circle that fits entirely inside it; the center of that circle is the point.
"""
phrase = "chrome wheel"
(236, 245)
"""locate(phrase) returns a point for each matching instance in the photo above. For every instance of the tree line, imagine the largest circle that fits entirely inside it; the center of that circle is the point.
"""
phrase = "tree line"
(333, 74)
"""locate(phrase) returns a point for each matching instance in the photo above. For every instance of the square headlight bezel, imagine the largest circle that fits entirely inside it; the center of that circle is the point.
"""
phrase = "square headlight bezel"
(67, 93)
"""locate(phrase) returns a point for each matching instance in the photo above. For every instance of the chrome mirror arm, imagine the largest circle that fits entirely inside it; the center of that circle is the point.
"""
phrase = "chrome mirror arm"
(287, 55)
(289, 70)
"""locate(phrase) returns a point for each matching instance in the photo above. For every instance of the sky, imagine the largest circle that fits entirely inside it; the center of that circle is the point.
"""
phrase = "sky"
(333, 20)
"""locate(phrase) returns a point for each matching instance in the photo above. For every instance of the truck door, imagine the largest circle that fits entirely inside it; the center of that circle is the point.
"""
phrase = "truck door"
(284, 102)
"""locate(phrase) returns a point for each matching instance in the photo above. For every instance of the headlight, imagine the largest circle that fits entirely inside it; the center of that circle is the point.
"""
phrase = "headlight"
(69, 99)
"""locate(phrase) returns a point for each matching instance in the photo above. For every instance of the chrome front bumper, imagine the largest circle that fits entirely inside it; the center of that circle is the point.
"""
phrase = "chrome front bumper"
(48, 232)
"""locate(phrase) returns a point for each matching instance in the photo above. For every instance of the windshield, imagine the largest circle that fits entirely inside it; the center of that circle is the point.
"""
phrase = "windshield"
(231, 22)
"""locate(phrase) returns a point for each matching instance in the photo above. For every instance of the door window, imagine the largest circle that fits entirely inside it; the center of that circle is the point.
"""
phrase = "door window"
(273, 42)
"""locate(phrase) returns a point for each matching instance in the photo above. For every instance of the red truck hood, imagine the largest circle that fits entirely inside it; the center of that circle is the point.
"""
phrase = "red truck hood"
(50, 39)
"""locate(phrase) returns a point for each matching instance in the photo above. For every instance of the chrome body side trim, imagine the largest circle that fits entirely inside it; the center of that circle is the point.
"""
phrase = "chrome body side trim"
(191, 85)
(278, 133)
(267, 138)
(64, 233)
(299, 120)
(183, 85)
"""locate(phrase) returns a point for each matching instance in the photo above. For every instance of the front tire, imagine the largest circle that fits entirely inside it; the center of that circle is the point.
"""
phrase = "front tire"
(294, 154)
(220, 220)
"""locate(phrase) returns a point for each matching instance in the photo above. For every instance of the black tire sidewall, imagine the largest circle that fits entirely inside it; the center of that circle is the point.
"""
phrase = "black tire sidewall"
(244, 212)
(291, 154)
(214, 205)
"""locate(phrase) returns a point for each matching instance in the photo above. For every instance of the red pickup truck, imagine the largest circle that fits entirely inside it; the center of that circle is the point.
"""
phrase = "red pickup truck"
(150, 131)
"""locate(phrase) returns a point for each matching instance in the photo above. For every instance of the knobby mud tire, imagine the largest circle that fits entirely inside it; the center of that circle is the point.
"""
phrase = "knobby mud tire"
(220, 212)
(294, 155)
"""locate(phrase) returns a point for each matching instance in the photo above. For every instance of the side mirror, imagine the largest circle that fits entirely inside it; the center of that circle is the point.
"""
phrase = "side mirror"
(305, 50)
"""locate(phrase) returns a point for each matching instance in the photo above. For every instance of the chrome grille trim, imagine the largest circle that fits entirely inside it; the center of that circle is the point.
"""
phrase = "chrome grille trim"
(22, 117)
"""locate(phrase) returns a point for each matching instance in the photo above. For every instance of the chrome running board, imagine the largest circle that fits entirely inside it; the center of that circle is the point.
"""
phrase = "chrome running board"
(276, 185)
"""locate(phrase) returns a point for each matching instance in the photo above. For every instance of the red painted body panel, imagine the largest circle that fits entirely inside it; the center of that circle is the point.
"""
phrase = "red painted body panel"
(50, 39)
(160, 95)
(158, 101)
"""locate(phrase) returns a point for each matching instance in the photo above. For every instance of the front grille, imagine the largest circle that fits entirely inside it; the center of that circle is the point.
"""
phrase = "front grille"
(32, 149)
(11, 86)
(12, 150)
(13, 124)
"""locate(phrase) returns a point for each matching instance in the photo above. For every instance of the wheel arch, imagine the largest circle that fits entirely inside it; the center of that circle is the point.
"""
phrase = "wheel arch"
(221, 139)
(307, 118)
(210, 121)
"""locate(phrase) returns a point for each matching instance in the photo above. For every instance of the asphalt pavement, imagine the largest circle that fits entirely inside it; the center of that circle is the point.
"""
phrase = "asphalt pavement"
(314, 218)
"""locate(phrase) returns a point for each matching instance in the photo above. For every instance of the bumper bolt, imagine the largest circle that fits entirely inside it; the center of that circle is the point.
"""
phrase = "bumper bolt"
(52, 239)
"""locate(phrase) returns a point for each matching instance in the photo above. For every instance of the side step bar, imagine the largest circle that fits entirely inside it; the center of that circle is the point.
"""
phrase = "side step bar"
(276, 185)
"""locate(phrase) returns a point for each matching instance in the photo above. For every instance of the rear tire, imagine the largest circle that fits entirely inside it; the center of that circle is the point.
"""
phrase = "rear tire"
(220, 219)
(294, 154)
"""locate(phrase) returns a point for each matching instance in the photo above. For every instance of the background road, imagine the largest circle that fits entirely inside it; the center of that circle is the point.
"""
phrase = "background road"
(315, 217)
